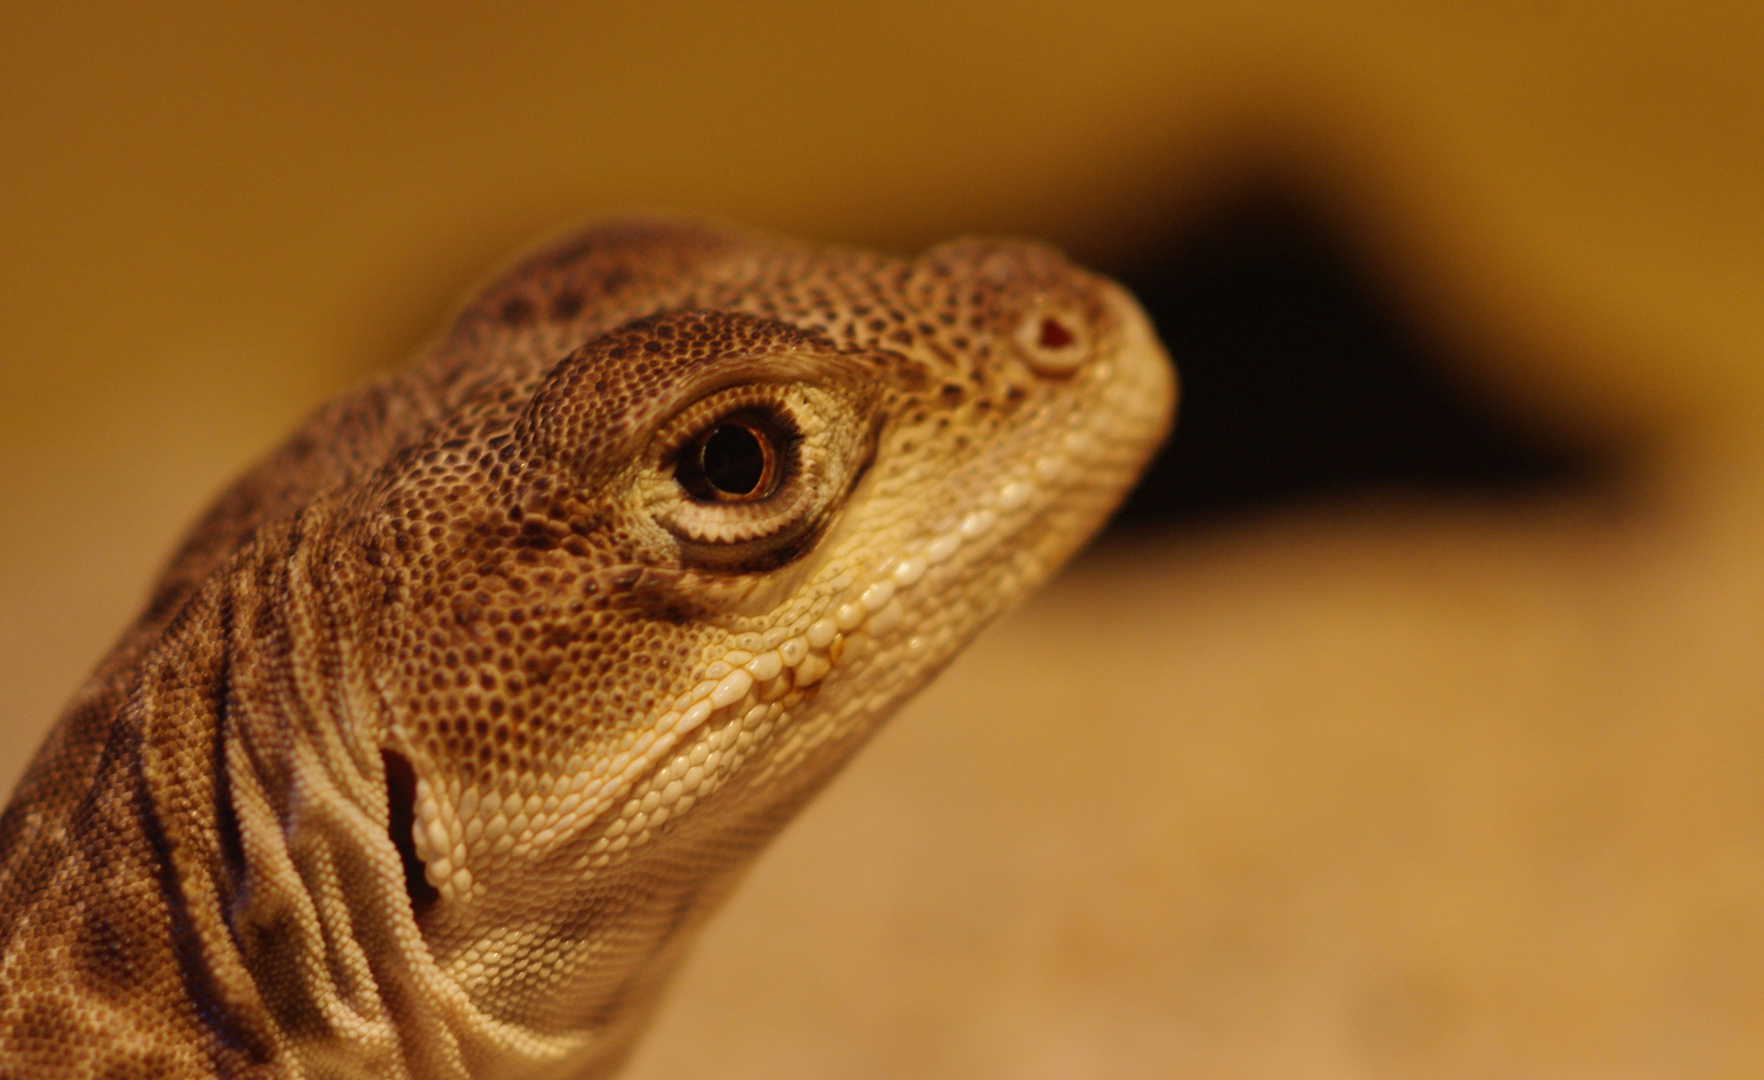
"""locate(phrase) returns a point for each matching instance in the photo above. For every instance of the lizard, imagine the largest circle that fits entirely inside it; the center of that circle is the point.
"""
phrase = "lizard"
(452, 719)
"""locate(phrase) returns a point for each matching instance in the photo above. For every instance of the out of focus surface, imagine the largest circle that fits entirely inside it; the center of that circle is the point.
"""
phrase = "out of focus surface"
(1414, 722)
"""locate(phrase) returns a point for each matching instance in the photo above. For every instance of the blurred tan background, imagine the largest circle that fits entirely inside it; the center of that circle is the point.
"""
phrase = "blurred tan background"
(1363, 788)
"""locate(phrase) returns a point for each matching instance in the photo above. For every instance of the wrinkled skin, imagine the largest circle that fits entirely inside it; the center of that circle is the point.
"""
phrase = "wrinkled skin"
(453, 719)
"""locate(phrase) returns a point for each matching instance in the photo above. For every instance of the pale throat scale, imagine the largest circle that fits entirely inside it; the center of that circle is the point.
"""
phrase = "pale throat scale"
(452, 720)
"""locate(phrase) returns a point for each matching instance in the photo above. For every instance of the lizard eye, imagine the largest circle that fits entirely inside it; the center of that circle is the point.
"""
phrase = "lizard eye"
(740, 458)
(746, 477)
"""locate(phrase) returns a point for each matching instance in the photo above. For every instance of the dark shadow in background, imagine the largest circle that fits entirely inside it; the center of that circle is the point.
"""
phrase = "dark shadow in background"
(1300, 382)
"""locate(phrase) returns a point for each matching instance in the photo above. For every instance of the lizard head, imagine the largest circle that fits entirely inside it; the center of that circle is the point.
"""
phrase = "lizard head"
(710, 507)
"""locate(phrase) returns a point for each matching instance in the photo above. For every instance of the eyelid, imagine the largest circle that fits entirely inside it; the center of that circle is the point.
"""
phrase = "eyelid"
(689, 423)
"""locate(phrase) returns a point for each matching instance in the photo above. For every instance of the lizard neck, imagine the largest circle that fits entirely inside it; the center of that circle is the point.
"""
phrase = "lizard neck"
(322, 889)
(218, 860)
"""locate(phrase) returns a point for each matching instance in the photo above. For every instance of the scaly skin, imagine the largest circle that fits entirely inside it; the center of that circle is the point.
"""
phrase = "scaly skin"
(453, 720)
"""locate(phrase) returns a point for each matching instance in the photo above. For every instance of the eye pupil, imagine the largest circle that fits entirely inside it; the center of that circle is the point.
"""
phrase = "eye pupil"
(734, 459)
(745, 456)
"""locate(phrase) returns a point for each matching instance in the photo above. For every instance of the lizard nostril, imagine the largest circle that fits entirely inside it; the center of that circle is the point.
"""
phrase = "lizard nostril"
(1054, 342)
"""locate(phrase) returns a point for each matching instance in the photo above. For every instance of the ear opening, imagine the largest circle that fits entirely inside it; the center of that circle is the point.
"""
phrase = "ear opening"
(401, 815)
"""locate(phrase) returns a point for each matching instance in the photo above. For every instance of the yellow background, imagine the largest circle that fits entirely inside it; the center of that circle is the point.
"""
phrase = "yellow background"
(1378, 790)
